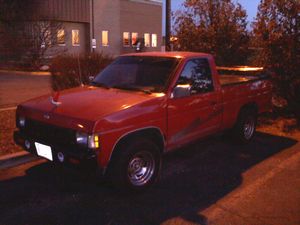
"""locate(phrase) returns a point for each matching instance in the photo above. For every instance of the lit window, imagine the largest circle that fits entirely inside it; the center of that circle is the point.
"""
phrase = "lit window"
(134, 38)
(75, 38)
(104, 38)
(154, 40)
(61, 37)
(126, 39)
(147, 39)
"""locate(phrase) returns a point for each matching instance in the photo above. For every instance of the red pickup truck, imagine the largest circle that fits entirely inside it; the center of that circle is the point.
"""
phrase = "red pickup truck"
(140, 106)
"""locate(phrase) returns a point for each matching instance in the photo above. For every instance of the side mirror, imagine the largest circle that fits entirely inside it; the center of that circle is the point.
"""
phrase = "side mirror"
(181, 90)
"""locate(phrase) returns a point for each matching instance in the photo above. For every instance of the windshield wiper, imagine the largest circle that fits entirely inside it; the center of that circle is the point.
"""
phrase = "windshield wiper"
(96, 84)
(131, 88)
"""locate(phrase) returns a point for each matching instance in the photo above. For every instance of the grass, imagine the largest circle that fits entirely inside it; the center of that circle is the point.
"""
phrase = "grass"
(285, 126)
(7, 128)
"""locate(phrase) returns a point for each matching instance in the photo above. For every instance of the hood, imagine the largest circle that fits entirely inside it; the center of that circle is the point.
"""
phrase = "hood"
(85, 104)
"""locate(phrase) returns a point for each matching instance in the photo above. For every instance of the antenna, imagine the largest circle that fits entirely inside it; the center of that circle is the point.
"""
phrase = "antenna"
(79, 68)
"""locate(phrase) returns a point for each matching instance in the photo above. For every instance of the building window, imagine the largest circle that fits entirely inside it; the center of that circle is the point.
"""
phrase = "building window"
(147, 39)
(75, 38)
(61, 37)
(126, 39)
(154, 40)
(134, 38)
(104, 38)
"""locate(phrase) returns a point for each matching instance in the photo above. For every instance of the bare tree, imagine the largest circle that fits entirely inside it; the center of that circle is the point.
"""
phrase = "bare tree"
(25, 36)
(42, 37)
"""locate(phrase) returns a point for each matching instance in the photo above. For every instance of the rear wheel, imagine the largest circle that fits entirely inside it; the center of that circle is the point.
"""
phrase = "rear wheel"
(245, 127)
(136, 166)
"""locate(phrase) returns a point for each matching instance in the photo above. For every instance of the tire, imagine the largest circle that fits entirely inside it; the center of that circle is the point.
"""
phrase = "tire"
(245, 127)
(136, 166)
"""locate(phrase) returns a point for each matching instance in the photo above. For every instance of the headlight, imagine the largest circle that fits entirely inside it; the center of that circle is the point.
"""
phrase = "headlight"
(81, 138)
(22, 121)
(91, 141)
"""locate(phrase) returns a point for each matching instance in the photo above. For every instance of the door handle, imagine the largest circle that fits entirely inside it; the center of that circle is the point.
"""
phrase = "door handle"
(214, 105)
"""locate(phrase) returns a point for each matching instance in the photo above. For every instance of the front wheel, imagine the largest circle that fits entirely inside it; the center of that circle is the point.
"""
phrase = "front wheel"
(141, 168)
(136, 166)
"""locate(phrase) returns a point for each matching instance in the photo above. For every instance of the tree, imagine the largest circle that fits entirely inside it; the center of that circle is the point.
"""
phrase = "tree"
(215, 26)
(41, 37)
(276, 33)
(12, 14)
(25, 36)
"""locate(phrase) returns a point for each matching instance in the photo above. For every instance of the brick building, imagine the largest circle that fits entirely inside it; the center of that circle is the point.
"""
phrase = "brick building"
(109, 26)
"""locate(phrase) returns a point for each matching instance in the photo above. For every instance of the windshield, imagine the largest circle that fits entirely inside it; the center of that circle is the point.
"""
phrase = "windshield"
(140, 73)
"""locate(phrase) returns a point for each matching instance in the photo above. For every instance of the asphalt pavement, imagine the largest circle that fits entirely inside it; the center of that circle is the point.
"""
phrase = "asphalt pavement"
(16, 87)
(211, 182)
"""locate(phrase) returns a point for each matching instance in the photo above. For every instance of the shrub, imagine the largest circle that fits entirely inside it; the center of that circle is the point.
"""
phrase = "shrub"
(71, 70)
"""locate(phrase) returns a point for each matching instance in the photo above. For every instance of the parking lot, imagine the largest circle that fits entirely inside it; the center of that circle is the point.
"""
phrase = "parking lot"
(16, 88)
(215, 182)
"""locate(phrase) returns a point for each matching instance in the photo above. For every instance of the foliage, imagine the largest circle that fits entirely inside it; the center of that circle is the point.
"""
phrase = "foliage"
(276, 35)
(214, 26)
(71, 70)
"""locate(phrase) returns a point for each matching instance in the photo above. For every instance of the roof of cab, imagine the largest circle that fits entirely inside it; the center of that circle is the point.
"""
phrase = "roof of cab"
(170, 54)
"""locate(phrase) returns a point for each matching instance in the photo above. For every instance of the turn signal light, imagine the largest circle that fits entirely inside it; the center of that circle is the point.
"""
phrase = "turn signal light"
(93, 141)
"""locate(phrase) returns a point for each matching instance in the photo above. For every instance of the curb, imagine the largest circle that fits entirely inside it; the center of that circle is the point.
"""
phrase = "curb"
(16, 159)
(35, 73)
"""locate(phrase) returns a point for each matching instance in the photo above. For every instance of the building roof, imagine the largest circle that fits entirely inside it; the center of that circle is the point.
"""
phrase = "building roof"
(171, 54)
(157, 2)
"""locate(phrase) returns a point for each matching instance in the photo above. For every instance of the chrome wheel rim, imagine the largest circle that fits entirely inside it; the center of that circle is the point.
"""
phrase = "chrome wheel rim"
(141, 168)
(249, 128)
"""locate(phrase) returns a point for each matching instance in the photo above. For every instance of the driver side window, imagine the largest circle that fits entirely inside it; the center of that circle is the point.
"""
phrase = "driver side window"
(197, 75)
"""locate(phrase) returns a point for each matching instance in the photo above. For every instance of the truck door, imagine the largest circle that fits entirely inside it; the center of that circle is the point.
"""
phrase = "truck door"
(194, 108)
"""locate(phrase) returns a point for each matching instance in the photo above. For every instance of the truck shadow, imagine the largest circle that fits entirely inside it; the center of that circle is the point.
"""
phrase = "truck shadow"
(192, 179)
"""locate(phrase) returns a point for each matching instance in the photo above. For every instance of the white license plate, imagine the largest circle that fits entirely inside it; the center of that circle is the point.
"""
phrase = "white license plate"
(44, 151)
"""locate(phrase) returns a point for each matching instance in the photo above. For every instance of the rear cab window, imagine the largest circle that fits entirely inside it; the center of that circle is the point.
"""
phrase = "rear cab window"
(197, 74)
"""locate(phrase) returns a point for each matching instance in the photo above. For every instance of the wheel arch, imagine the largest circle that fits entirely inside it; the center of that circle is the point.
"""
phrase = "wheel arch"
(248, 106)
(151, 133)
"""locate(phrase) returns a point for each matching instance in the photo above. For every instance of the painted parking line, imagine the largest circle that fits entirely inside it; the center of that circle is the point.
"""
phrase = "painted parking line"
(8, 108)
(36, 73)
(16, 159)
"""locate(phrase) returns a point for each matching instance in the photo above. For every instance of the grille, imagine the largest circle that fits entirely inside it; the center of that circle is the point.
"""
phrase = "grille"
(49, 134)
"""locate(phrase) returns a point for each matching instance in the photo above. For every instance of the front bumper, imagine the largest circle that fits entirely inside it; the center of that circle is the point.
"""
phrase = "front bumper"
(71, 154)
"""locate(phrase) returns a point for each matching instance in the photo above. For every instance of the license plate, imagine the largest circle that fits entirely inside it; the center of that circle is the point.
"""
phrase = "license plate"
(44, 151)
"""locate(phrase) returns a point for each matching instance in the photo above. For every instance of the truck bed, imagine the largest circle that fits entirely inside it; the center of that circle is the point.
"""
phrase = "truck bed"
(235, 79)
(238, 75)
